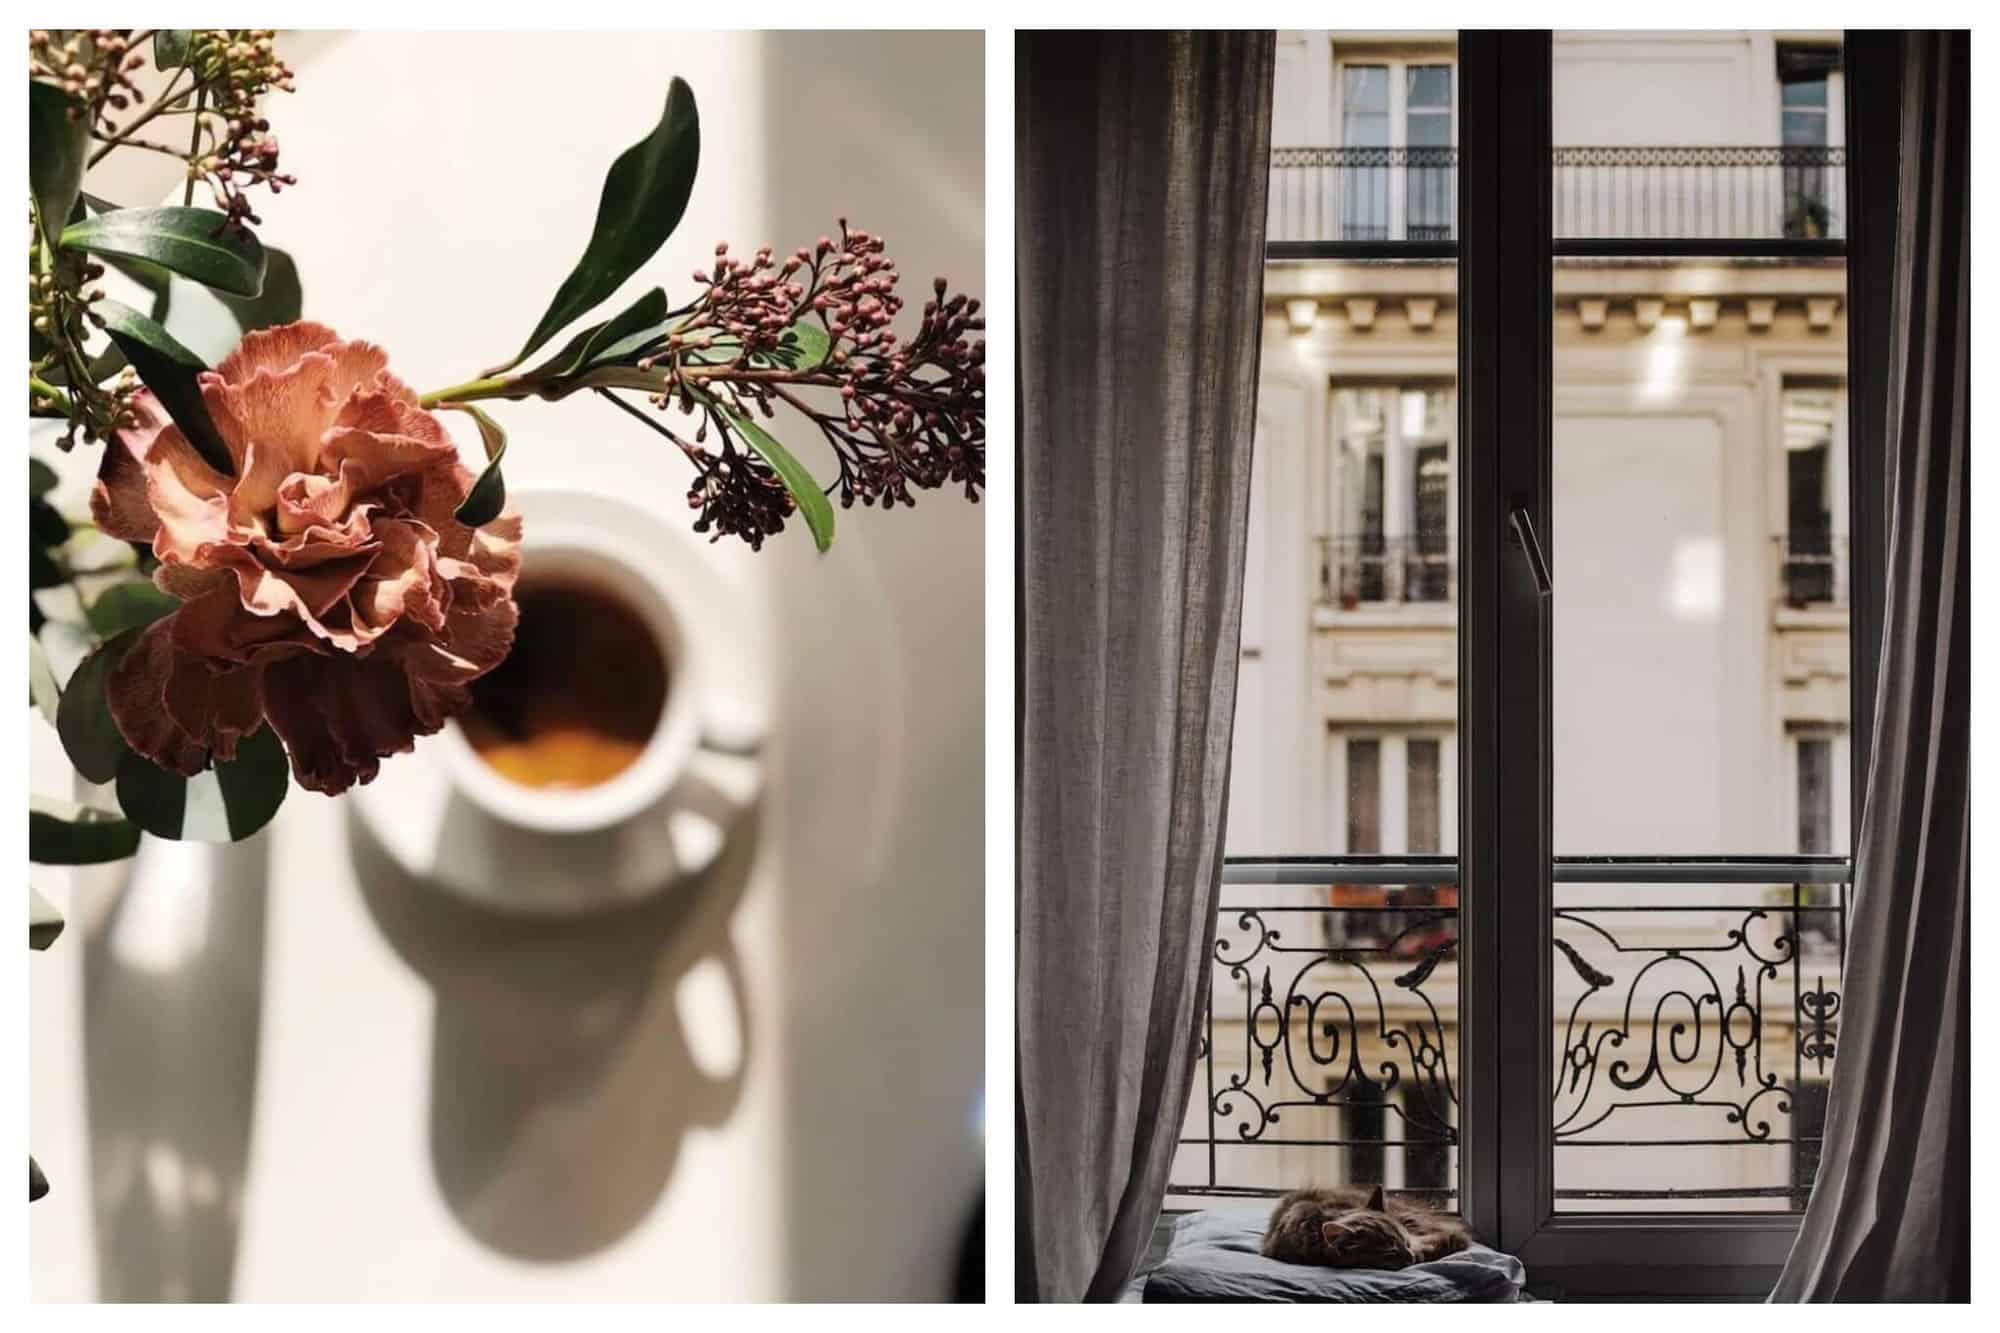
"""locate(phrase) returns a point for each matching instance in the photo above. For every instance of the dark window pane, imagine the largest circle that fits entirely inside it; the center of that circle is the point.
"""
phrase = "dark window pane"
(1423, 796)
(1366, 1122)
(1364, 796)
(1815, 795)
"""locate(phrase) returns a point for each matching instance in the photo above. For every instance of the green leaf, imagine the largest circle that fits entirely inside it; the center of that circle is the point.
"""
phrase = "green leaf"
(170, 47)
(57, 148)
(805, 345)
(169, 370)
(805, 491)
(90, 736)
(43, 692)
(41, 478)
(44, 921)
(645, 193)
(193, 242)
(643, 315)
(227, 803)
(488, 496)
(133, 604)
(64, 834)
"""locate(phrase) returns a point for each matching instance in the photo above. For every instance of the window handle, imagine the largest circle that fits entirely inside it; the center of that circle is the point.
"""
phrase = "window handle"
(1524, 533)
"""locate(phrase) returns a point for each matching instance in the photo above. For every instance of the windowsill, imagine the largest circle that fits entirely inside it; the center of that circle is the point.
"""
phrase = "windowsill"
(1810, 617)
(1388, 615)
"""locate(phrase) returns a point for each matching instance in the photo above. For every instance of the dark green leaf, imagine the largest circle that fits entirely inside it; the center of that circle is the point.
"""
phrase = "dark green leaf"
(805, 491)
(62, 834)
(645, 193)
(45, 923)
(133, 604)
(43, 692)
(170, 47)
(281, 301)
(488, 496)
(41, 478)
(43, 571)
(90, 735)
(46, 525)
(644, 314)
(169, 370)
(192, 242)
(228, 803)
(57, 148)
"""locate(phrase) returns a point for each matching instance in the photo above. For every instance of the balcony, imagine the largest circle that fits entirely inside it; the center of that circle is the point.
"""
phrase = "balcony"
(1812, 570)
(1694, 1010)
(1357, 571)
(1716, 193)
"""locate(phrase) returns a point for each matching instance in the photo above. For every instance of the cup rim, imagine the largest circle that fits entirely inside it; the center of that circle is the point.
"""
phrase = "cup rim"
(647, 584)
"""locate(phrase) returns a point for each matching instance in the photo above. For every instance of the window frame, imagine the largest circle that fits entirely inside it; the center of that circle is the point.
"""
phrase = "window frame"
(1505, 861)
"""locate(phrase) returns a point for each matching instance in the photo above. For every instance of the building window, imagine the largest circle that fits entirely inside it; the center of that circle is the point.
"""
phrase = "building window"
(1404, 112)
(1813, 563)
(1808, 78)
(1392, 505)
(1808, 1129)
(1364, 796)
(1815, 795)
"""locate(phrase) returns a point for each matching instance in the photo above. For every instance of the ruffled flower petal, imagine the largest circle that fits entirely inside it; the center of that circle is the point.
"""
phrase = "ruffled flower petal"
(325, 585)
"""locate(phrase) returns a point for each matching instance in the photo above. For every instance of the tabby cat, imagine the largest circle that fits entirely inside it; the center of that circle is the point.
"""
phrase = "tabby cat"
(1351, 1226)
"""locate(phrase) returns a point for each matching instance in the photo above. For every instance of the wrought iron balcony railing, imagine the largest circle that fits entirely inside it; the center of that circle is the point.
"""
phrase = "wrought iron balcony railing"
(1719, 193)
(1354, 571)
(1695, 1013)
(1812, 569)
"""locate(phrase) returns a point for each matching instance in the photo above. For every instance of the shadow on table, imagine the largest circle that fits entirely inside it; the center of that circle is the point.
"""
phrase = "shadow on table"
(563, 1077)
(173, 977)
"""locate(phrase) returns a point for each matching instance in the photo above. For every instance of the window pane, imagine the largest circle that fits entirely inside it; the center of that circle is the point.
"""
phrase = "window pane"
(1423, 796)
(1365, 122)
(1699, 684)
(1430, 88)
(1317, 1065)
(1364, 796)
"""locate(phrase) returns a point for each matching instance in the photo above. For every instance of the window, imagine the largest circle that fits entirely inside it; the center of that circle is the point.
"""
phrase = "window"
(1397, 128)
(1391, 474)
(1630, 783)
(1808, 78)
(1815, 763)
(1813, 568)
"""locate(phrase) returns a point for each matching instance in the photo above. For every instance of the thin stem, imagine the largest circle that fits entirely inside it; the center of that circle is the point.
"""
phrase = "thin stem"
(194, 145)
(47, 392)
(492, 386)
(166, 96)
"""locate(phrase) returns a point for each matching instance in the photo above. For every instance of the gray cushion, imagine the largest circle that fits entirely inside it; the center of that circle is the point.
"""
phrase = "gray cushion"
(1213, 1256)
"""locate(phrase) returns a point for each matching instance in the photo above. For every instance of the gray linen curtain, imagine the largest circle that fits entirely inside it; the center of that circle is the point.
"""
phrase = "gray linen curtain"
(1141, 166)
(1889, 1217)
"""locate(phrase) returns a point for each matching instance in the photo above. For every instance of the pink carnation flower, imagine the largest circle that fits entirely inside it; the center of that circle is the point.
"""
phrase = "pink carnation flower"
(325, 587)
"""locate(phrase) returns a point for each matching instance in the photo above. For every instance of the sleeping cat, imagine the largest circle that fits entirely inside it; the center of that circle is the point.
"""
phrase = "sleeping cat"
(1352, 1227)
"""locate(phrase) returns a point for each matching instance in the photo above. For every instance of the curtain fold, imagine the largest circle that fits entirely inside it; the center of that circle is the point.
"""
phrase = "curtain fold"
(1141, 169)
(1889, 1217)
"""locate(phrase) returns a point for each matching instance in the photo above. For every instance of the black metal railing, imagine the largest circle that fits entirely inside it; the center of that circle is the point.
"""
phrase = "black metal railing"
(1696, 1012)
(1363, 194)
(1791, 192)
(1354, 571)
(1812, 568)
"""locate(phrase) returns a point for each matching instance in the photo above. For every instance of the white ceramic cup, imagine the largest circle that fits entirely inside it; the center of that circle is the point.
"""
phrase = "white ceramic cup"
(614, 548)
